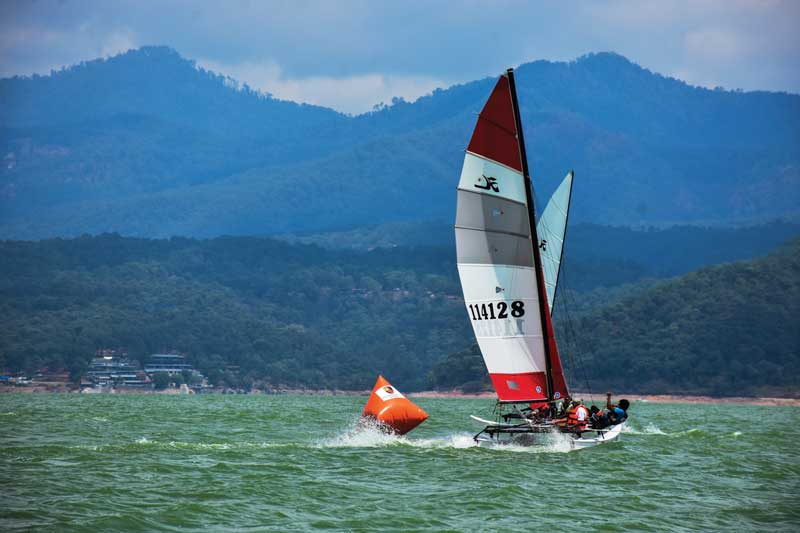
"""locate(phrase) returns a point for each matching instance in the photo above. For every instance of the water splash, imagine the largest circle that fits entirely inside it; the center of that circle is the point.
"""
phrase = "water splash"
(206, 445)
(363, 433)
(457, 441)
(182, 445)
(652, 429)
(552, 442)
(649, 429)
(368, 433)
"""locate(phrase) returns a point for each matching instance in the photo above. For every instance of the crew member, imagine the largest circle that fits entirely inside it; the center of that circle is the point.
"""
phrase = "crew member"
(575, 418)
(617, 413)
(598, 418)
(561, 413)
(578, 416)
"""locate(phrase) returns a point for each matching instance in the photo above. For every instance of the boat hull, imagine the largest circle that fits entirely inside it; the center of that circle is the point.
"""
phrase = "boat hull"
(519, 437)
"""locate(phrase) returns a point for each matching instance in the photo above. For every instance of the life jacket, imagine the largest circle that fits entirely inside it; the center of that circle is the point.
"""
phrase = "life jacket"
(572, 417)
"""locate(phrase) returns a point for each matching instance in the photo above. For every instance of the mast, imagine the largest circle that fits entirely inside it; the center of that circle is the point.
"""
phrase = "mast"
(537, 260)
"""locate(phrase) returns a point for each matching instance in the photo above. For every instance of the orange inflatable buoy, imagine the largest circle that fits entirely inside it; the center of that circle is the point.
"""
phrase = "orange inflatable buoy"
(387, 405)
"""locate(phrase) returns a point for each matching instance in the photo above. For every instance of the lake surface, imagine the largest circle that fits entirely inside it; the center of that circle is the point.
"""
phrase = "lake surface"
(74, 462)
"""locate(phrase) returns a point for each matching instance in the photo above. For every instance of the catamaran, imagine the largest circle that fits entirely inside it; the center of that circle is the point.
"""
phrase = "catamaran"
(509, 267)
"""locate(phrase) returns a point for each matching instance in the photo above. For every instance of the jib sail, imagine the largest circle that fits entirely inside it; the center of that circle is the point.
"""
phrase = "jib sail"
(552, 228)
(498, 263)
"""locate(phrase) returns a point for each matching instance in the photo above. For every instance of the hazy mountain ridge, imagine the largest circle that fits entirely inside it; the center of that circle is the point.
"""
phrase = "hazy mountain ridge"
(146, 143)
(633, 254)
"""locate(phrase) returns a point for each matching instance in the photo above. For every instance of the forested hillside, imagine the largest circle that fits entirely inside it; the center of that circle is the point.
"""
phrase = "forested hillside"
(302, 316)
(148, 144)
(729, 330)
(286, 315)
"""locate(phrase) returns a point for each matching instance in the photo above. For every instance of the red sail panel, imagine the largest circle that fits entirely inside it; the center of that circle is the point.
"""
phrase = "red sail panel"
(495, 135)
(496, 258)
(522, 387)
(556, 371)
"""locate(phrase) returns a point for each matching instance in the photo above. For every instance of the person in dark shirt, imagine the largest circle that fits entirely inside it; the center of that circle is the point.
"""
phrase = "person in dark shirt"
(617, 413)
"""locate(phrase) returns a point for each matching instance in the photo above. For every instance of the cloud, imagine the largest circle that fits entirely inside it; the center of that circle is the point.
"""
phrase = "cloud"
(361, 52)
(118, 42)
(348, 94)
(716, 45)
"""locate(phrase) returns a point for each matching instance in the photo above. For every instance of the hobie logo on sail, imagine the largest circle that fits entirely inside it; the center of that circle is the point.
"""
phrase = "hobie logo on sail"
(487, 183)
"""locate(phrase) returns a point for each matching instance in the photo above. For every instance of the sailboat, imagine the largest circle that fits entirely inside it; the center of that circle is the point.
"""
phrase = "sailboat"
(509, 266)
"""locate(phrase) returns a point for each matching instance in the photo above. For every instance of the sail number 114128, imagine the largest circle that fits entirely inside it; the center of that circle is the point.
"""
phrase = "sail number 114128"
(495, 310)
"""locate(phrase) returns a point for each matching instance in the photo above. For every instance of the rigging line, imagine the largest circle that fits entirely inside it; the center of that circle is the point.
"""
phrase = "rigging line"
(546, 230)
(571, 345)
(570, 331)
(571, 327)
(570, 349)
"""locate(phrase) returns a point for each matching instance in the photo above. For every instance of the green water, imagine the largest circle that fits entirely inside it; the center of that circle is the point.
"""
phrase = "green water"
(182, 463)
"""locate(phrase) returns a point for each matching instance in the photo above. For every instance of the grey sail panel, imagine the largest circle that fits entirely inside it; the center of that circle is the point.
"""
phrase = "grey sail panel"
(495, 253)
(482, 247)
(491, 213)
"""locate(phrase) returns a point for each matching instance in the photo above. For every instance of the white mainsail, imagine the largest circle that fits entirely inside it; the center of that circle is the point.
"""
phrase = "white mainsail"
(498, 262)
(509, 263)
(551, 228)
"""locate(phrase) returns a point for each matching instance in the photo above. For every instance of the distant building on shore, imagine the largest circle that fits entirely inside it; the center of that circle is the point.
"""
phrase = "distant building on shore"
(114, 371)
(171, 363)
(177, 365)
(111, 369)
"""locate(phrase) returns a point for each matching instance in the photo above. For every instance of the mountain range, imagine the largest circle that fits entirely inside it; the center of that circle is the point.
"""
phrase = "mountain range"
(146, 143)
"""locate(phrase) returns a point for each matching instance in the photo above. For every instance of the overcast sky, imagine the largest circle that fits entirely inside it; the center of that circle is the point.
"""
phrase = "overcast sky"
(351, 55)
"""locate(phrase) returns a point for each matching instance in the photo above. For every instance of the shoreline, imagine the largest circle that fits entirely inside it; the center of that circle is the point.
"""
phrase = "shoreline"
(647, 398)
(599, 398)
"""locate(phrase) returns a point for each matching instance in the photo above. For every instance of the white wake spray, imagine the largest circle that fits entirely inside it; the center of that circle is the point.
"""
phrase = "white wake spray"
(368, 433)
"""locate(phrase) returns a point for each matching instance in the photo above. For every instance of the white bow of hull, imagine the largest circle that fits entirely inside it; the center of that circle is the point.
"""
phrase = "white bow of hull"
(587, 439)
